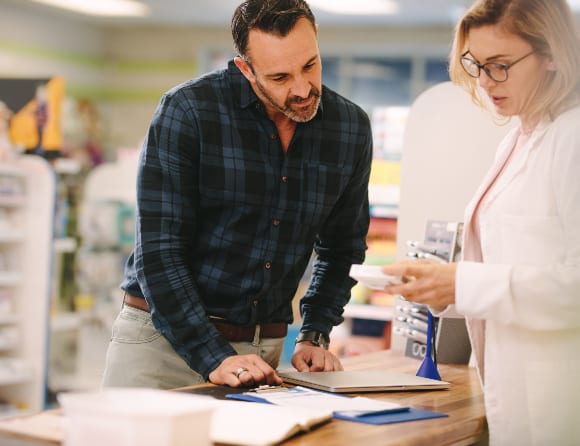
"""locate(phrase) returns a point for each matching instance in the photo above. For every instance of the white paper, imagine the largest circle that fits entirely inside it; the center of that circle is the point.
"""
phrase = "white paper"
(243, 423)
(304, 397)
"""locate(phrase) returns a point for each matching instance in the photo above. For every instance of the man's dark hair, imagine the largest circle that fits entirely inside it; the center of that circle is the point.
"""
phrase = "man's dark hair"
(271, 16)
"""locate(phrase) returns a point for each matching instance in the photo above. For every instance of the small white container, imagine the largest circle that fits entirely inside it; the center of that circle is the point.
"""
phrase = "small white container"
(136, 417)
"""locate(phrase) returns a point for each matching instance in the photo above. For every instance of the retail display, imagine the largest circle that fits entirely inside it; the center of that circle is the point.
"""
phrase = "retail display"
(27, 193)
(416, 332)
(105, 227)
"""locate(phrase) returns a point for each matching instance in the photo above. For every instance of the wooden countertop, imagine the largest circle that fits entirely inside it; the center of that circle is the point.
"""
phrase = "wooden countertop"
(463, 402)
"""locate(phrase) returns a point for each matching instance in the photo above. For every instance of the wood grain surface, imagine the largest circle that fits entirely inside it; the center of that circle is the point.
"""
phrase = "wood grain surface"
(463, 402)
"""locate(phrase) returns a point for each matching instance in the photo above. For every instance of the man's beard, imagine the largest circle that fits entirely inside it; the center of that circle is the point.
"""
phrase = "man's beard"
(300, 115)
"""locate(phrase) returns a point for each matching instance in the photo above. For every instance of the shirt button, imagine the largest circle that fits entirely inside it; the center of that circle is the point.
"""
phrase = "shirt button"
(268, 265)
(276, 222)
(273, 136)
(284, 179)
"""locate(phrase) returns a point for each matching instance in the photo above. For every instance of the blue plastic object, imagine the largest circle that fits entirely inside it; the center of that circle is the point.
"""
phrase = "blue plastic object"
(428, 368)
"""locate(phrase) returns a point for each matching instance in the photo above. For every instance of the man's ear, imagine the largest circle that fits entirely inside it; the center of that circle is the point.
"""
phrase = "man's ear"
(244, 68)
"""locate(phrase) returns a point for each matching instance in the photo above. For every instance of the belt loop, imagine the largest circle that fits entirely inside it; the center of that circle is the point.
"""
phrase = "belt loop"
(256, 341)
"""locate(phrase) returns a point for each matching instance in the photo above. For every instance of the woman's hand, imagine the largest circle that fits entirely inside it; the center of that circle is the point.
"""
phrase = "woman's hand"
(426, 282)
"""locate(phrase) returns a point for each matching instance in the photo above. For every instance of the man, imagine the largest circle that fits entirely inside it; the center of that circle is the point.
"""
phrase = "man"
(243, 173)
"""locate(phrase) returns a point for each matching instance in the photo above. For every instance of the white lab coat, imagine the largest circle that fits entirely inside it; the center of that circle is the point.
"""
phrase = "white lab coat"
(522, 304)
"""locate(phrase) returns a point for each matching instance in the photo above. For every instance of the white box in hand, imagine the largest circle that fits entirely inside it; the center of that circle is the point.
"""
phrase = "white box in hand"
(372, 277)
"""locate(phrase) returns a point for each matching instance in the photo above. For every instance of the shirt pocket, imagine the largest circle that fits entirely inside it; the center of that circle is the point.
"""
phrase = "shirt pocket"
(321, 187)
(531, 240)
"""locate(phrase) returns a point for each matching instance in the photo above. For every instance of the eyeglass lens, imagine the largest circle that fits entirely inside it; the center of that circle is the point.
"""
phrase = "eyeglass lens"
(498, 72)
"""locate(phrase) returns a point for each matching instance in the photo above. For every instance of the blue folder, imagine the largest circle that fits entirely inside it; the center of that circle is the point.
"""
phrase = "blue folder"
(391, 417)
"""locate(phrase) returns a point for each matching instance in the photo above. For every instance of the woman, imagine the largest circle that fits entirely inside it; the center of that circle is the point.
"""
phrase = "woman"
(518, 283)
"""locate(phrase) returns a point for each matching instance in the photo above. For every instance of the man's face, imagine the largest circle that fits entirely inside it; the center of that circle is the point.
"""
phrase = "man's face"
(286, 72)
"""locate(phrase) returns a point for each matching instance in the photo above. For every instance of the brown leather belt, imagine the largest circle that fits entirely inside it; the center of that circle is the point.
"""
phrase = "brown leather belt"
(232, 332)
(136, 302)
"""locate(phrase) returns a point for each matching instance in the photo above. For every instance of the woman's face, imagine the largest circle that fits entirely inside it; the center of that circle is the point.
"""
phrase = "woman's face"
(490, 43)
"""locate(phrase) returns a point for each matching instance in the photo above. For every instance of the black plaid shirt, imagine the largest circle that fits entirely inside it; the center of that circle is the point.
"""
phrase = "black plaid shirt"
(227, 223)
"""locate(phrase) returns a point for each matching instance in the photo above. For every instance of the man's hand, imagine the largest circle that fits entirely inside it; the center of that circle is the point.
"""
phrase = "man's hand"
(312, 358)
(244, 371)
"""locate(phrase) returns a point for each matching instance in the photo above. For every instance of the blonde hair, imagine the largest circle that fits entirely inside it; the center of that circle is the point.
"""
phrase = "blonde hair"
(549, 27)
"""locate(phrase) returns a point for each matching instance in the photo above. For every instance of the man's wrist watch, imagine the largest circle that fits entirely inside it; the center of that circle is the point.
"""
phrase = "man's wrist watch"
(315, 337)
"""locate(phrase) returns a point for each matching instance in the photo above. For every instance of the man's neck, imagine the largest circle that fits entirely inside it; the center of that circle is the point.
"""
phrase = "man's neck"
(285, 127)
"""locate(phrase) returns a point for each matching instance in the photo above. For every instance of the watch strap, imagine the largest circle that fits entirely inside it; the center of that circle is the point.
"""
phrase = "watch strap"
(315, 337)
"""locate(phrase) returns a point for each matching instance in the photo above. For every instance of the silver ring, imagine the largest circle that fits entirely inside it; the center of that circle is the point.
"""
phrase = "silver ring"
(240, 371)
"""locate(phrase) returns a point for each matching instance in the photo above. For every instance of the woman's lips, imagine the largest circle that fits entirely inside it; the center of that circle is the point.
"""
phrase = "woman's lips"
(498, 100)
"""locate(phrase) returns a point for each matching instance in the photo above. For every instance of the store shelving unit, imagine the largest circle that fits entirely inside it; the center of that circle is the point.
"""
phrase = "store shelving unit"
(106, 229)
(27, 197)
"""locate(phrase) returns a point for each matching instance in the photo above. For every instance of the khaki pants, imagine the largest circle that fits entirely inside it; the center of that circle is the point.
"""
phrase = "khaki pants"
(139, 356)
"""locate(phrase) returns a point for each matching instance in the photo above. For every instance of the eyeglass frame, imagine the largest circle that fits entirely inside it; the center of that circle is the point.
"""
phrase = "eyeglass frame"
(503, 66)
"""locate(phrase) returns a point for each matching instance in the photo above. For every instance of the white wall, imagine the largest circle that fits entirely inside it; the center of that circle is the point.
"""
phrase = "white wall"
(449, 145)
(39, 46)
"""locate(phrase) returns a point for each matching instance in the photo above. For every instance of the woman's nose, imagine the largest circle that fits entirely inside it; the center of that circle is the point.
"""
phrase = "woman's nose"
(485, 80)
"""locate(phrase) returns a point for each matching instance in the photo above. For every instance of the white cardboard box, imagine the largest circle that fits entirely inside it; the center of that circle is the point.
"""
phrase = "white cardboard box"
(136, 417)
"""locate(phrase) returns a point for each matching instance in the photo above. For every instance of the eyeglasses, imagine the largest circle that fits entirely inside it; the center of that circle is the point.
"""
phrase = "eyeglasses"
(495, 70)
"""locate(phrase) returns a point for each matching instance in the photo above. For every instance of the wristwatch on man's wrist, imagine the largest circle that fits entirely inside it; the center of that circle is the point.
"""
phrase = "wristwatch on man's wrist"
(315, 337)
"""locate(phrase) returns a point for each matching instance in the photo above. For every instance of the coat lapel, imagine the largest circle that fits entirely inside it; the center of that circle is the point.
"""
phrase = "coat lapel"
(476, 327)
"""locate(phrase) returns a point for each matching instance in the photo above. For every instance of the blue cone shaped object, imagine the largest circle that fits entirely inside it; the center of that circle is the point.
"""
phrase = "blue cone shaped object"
(428, 369)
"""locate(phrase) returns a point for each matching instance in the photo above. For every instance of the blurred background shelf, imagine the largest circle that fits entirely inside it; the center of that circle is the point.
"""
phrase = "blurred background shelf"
(27, 199)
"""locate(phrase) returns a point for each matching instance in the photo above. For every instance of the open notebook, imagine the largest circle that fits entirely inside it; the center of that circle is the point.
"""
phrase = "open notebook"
(361, 381)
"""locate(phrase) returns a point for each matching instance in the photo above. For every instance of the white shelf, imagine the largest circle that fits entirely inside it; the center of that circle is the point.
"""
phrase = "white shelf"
(10, 279)
(7, 346)
(11, 236)
(67, 166)
(10, 380)
(14, 412)
(11, 169)
(7, 319)
(15, 371)
(9, 201)
(367, 311)
(29, 205)
(65, 322)
(65, 244)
